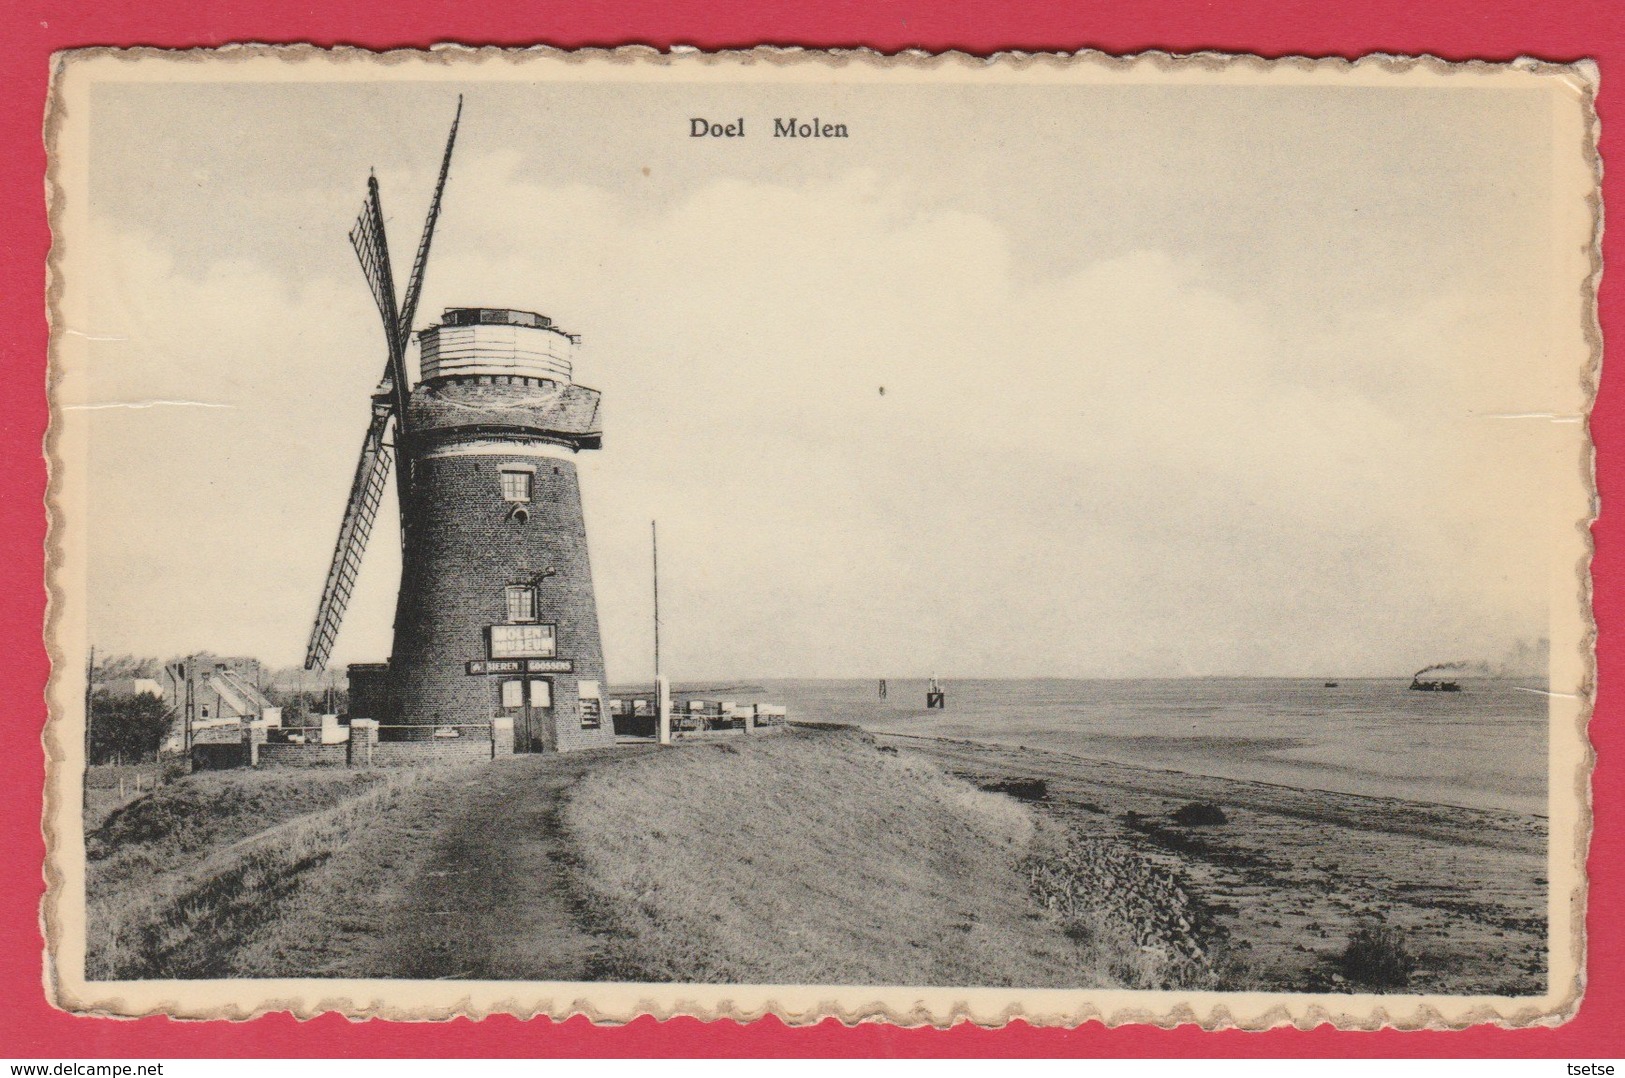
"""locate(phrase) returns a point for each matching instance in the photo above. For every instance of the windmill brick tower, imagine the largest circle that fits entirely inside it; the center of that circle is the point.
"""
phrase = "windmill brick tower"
(496, 613)
(495, 618)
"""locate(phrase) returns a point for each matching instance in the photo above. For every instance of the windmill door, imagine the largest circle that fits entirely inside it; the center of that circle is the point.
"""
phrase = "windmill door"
(538, 717)
(529, 701)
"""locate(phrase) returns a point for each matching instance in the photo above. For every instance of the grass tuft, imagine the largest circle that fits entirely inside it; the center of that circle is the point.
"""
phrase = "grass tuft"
(1376, 958)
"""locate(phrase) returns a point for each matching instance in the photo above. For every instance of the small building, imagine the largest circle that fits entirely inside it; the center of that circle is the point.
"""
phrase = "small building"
(215, 700)
(369, 692)
(633, 713)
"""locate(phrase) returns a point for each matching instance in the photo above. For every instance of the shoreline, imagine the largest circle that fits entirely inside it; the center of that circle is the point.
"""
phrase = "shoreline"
(1199, 776)
(1483, 748)
(1292, 874)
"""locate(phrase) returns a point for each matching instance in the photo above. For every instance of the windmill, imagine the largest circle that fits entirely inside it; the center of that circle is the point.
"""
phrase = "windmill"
(496, 622)
(389, 402)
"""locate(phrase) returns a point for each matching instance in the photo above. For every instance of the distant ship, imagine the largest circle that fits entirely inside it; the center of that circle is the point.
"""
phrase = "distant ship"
(1418, 685)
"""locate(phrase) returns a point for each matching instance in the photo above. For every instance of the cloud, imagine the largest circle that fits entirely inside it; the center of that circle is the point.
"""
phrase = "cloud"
(1119, 467)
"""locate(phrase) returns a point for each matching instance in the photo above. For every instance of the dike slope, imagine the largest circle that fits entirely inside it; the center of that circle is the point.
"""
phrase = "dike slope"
(801, 857)
(813, 858)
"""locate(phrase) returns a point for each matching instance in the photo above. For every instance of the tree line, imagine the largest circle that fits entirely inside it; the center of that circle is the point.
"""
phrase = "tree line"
(127, 729)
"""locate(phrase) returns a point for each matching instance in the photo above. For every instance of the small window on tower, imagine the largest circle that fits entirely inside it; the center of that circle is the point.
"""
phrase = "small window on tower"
(516, 486)
(521, 603)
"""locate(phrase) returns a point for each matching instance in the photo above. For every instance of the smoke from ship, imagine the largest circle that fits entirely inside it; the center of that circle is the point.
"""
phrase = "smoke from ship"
(1441, 667)
(1524, 659)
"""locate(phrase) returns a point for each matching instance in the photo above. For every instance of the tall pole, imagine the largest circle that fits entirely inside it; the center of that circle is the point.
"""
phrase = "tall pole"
(662, 699)
(654, 543)
(90, 679)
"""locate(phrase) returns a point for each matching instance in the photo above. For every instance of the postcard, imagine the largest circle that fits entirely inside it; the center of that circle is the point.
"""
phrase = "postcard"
(921, 538)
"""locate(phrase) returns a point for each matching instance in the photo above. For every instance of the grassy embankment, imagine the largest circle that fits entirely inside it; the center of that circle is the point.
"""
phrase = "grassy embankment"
(112, 786)
(824, 859)
(797, 857)
(174, 878)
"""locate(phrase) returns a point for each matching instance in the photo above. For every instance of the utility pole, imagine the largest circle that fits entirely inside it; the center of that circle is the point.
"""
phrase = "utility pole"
(654, 543)
(662, 691)
(90, 680)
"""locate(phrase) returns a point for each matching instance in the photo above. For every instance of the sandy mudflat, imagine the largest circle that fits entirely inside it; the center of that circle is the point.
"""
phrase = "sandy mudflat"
(1294, 872)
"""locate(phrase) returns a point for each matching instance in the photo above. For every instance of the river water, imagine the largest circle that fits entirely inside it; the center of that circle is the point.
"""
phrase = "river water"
(1484, 747)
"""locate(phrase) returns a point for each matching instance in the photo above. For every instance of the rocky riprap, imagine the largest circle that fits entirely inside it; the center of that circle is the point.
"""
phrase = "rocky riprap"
(1089, 881)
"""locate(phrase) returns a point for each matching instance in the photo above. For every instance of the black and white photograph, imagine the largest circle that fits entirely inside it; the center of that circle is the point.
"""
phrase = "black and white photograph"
(819, 534)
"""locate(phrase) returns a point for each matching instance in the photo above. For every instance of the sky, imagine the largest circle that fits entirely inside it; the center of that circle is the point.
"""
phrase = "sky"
(1177, 380)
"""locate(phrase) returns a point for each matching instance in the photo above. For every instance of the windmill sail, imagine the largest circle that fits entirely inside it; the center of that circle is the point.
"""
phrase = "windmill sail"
(372, 469)
(414, 284)
(372, 249)
(366, 493)
(389, 402)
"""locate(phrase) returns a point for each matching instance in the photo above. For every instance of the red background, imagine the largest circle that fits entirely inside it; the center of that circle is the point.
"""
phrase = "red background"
(1454, 29)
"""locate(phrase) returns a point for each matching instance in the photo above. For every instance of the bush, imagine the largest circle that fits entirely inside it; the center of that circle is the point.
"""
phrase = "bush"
(126, 729)
(1376, 958)
(1200, 814)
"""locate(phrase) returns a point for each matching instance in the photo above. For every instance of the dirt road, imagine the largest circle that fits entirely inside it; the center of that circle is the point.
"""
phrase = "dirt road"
(464, 879)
